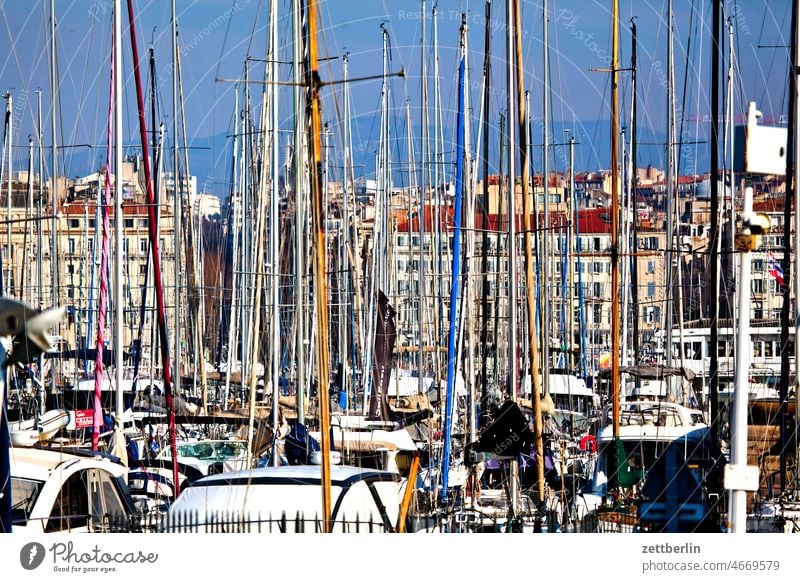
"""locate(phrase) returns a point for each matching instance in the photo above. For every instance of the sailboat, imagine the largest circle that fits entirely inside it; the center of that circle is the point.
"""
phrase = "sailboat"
(653, 454)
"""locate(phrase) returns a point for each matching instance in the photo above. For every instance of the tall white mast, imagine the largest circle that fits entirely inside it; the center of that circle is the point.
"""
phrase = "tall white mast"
(53, 180)
(512, 232)
(669, 255)
(299, 219)
(545, 323)
(275, 226)
(176, 188)
(118, 283)
(423, 185)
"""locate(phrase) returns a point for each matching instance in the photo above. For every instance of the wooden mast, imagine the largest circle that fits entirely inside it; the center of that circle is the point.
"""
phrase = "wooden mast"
(529, 279)
(314, 112)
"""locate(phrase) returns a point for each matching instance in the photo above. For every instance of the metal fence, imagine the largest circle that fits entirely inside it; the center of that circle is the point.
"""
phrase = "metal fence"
(468, 521)
(235, 522)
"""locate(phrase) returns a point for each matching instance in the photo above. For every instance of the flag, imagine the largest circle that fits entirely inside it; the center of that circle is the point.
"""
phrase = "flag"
(775, 268)
(385, 337)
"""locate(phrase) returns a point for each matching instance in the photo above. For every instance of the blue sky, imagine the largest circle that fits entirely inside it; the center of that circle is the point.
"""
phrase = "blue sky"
(217, 35)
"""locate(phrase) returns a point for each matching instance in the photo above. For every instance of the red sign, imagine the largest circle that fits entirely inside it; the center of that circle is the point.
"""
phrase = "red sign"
(84, 418)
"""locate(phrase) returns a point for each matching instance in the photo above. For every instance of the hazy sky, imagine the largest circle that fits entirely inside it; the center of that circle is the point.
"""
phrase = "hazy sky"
(217, 35)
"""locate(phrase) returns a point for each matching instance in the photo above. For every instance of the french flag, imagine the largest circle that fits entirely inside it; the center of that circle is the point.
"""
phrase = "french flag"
(775, 268)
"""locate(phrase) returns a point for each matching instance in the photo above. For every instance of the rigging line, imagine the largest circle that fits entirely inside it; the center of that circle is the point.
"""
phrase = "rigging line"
(558, 70)
(253, 30)
(650, 75)
(699, 25)
(365, 150)
(685, 91)
(737, 70)
(597, 124)
(22, 77)
(69, 159)
(334, 95)
(231, 10)
(760, 39)
(82, 94)
(766, 84)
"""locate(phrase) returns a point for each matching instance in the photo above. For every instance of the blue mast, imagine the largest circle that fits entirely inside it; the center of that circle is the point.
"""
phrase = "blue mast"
(456, 272)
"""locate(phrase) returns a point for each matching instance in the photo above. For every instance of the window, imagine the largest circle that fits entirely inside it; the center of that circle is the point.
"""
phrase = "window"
(127, 223)
(758, 285)
(143, 269)
(104, 498)
(71, 246)
(24, 493)
(74, 223)
(142, 246)
(598, 289)
(597, 313)
(651, 289)
(598, 267)
(71, 509)
(651, 266)
(758, 349)
(768, 349)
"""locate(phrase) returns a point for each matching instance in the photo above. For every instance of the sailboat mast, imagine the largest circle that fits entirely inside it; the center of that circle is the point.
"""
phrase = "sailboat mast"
(783, 388)
(154, 249)
(299, 218)
(177, 208)
(512, 238)
(452, 367)
(545, 258)
(794, 147)
(670, 303)
(572, 232)
(234, 205)
(527, 211)
(39, 229)
(53, 181)
(424, 167)
(118, 283)
(634, 181)
(9, 290)
(275, 226)
(487, 82)
(615, 318)
(713, 369)
(314, 111)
